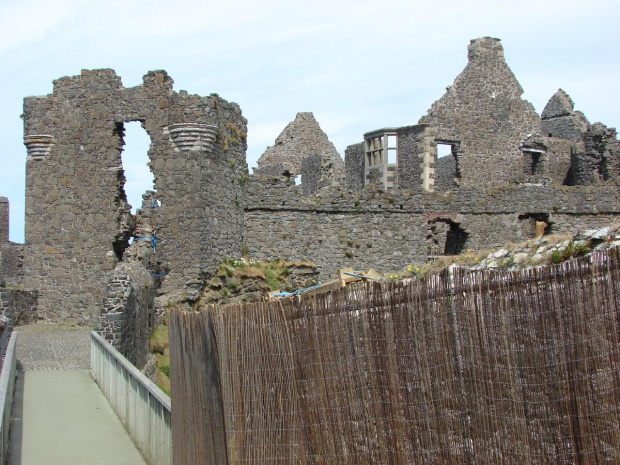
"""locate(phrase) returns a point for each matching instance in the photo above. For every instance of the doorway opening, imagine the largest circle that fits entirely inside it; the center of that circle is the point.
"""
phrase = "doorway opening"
(535, 224)
(446, 237)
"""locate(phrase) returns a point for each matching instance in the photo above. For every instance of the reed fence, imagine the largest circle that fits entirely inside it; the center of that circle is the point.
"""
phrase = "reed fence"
(467, 367)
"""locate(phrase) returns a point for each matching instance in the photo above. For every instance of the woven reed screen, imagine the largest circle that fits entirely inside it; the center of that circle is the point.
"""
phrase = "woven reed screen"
(472, 367)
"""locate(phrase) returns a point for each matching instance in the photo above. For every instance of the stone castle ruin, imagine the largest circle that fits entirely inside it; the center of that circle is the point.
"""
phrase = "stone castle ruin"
(394, 201)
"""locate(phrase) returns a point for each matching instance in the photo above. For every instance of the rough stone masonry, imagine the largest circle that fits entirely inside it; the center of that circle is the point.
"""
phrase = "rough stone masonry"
(507, 169)
(78, 222)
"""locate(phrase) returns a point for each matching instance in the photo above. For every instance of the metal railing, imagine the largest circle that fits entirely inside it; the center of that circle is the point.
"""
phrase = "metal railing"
(142, 407)
(7, 389)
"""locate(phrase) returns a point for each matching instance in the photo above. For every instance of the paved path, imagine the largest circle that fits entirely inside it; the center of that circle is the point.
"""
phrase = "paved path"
(47, 347)
(60, 417)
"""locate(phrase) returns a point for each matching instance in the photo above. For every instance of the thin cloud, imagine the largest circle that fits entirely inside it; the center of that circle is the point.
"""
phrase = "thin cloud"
(29, 21)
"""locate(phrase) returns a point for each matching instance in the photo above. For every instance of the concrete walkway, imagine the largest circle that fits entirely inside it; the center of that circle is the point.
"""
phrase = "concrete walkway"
(59, 414)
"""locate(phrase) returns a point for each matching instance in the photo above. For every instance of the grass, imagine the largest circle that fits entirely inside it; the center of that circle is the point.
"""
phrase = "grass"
(469, 258)
(159, 348)
(275, 273)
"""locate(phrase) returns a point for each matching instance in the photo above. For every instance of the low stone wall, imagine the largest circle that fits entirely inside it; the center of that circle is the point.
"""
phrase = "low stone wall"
(389, 230)
(128, 313)
(11, 263)
(19, 305)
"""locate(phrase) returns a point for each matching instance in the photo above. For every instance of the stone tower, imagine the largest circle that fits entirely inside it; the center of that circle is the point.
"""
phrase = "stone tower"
(78, 222)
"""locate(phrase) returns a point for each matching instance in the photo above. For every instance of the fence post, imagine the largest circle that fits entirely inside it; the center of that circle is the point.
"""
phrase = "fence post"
(198, 429)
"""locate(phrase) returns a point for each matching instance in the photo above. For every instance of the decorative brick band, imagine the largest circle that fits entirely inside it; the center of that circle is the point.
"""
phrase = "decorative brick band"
(192, 136)
(38, 146)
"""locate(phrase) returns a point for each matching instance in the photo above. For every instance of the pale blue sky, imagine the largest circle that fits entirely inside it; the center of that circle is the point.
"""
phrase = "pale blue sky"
(358, 65)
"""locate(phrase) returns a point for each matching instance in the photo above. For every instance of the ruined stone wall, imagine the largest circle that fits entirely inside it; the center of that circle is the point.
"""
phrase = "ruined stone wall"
(444, 173)
(11, 263)
(77, 219)
(311, 174)
(11, 253)
(559, 120)
(277, 170)
(354, 163)
(128, 314)
(414, 149)
(558, 159)
(546, 160)
(483, 112)
(389, 230)
(597, 160)
(4, 220)
(302, 137)
(19, 305)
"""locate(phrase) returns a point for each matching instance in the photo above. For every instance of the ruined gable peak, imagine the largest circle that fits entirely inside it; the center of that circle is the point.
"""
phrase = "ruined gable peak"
(304, 119)
(301, 138)
(560, 104)
(485, 48)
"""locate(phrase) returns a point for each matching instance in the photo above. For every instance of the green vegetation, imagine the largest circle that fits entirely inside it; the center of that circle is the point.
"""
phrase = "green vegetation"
(235, 271)
(572, 250)
(159, 348)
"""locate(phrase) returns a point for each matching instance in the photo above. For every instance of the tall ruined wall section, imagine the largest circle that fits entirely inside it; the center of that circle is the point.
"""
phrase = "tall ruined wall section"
(4, 221)
(390, 230)
(127, 317)
(416, 150)
(77, 219)
(597, 160)
(354, 163)
(11, 253)
(11, 264)
(484, 114)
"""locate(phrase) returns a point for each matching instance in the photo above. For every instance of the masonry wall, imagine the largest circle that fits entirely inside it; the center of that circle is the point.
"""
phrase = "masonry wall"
(128, 314)
(559, 120)
(77, 219)
(597, 161)
(557, 159)
(388, 231)
(301, 138)
(311, 174)
(414, 151)
(484, 112)
(19, 305)
(444, 174)
(11, 263)
(11, 253)
(4, 220)
(354, 164)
